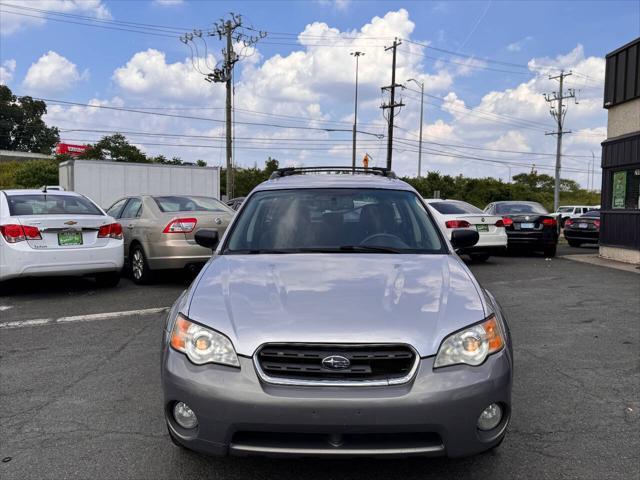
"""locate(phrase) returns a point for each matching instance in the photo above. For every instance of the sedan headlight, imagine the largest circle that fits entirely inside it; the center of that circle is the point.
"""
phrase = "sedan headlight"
(201, 344)
(472, 345)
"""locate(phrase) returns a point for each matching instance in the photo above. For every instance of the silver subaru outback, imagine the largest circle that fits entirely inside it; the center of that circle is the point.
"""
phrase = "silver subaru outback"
(335, 319)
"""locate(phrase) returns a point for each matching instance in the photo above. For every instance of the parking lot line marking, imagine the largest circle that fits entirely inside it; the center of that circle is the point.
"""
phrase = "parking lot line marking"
(109, 315)
(26, 323)
(82, 318)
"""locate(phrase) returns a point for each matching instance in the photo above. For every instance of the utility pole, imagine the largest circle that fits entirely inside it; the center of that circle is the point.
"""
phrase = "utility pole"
(558, 112)
(392, 105)
(421, 84)
(228, 30)
(355, 116)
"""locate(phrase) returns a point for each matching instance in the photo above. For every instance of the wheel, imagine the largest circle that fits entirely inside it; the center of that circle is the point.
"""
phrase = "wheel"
(574, 243)
(550, 251)
(479, 257)
(140, 272)
(108, 280)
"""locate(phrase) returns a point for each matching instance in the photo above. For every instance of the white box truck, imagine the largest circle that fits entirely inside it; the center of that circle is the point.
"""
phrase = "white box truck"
(104, 182)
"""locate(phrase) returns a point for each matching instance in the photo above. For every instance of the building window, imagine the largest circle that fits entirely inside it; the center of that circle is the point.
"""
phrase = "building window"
(625, 189)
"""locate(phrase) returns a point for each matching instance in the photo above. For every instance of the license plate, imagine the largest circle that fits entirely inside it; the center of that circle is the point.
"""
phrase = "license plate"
(583, 225)
(482, 228)
(69, 238)
(527, 225)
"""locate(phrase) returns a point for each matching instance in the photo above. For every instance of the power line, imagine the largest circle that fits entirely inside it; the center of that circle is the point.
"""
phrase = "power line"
(191, 117)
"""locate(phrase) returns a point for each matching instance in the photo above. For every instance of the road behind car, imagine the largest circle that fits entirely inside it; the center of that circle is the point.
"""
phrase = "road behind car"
(81, 399)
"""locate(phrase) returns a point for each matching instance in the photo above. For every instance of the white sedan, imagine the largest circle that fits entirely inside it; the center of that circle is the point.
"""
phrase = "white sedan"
(454, 214)
(57, 233)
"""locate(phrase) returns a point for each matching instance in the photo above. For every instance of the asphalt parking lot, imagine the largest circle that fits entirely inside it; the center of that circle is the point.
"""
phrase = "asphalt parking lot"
(80, 391)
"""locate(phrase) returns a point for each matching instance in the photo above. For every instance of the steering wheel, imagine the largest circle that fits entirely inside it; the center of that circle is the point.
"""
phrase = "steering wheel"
(392, 240)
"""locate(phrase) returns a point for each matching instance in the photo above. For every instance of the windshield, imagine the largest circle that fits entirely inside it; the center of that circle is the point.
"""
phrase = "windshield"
(565, 209)
(51, 205)
(515, 208)
(334, 220)
(455, 208)
(176, 203)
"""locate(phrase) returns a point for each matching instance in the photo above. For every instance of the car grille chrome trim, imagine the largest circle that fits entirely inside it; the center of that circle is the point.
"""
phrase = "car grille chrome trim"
(265, 377)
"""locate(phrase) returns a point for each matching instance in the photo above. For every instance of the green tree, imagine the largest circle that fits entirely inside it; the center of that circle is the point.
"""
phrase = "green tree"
(201, 163)
(36, 173)
(21, 124)
(115, 147)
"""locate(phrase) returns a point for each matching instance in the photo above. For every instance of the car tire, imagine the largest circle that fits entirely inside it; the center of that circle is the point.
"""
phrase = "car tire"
(479, 257)
(550, 251)
(140, 272)
(573, 243)
(108, 280)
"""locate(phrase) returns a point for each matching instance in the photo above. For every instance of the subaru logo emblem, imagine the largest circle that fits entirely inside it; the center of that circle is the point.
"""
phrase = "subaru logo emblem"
(336, 362)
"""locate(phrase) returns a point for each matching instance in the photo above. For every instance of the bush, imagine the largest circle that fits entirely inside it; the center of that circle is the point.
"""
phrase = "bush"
(37, 173)
(8, 174)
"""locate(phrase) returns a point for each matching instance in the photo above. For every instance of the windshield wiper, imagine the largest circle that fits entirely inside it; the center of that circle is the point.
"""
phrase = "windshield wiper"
(347, 249)
(254, 251)
(367, 249)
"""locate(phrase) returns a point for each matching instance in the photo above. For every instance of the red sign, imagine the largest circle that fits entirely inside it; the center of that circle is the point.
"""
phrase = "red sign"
(69, 149)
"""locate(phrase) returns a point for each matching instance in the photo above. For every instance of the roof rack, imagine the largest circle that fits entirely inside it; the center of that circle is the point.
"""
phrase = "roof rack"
(287, 171)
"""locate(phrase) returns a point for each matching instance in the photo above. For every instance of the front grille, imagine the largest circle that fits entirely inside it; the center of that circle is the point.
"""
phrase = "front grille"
(304, 363)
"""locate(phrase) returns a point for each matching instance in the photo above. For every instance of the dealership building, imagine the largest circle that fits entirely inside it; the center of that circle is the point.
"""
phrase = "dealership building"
(620, 214)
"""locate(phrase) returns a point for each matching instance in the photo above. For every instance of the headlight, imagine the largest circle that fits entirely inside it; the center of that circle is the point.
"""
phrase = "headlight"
(471, 345)
(202, 345)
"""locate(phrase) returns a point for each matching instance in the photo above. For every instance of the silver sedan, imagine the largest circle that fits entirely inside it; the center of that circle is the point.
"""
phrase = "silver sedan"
(159, 231)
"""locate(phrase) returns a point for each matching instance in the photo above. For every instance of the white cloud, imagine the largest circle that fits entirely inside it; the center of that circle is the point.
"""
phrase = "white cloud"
(148, 74)
(340, 5)
(53, 73)
(11, 23)
(6, 71)
(165, 3)
(517, 46)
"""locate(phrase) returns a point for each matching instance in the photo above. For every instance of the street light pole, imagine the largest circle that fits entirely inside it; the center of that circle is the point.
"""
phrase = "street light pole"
(355, 116)
(421, 84)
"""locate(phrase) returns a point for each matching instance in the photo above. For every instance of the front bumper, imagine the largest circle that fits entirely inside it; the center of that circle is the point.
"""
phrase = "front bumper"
(235, 410)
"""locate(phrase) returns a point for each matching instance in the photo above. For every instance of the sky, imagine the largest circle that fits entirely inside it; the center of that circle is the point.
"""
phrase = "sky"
(485, 66)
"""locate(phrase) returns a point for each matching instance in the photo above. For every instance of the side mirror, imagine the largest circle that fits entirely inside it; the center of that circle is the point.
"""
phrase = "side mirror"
(461, 238)
(207, 238)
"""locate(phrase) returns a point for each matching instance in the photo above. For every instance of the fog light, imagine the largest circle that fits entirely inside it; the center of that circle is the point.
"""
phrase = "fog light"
(184, 415)
(490, 417)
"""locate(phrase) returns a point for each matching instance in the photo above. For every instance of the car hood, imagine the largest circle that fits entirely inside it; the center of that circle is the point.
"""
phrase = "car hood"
(328, 298)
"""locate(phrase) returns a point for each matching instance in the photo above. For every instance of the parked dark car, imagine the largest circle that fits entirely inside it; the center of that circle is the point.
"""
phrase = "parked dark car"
(235, 202)
(584, 229)
(528, 225)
